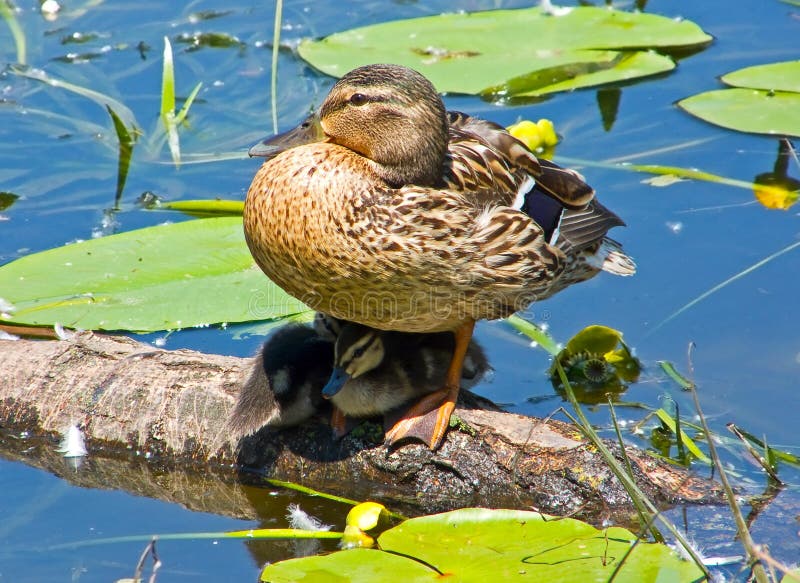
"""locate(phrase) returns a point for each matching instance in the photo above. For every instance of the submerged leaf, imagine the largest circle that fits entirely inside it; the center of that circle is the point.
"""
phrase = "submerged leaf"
(123, 111)
(171, 276)
(7, 14)
(7, 199)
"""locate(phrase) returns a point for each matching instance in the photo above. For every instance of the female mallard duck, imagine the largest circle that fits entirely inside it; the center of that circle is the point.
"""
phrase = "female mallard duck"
(363, 371)
(385, 210)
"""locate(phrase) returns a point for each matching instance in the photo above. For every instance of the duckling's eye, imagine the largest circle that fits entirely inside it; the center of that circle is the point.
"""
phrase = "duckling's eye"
(359, 352)
(358, 99)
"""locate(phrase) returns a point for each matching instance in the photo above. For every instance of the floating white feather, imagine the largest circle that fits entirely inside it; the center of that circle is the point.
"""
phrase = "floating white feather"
(300, 520)
(72, 443)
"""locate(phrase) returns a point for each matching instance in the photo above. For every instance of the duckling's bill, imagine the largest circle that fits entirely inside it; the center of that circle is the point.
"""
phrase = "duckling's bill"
(307, 132)
(339, 377)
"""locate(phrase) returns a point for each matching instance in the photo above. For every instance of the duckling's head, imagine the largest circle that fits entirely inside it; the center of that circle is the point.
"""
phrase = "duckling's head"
(358, 350)
(389, 114)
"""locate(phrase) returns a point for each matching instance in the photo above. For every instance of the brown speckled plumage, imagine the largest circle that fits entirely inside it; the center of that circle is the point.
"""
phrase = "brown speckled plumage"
(386, 210)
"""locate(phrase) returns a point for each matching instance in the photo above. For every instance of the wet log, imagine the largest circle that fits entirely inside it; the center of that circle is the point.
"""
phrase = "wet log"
(151, 412)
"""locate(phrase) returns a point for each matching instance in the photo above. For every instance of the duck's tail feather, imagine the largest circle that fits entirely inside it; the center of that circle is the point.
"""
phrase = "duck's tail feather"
(611, 258)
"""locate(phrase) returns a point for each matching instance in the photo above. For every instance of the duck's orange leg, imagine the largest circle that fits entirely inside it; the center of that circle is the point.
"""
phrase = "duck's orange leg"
(429, 418)
(339, 423)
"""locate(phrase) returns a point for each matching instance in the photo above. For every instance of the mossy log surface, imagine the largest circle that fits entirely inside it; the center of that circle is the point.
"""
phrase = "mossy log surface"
(154, 423)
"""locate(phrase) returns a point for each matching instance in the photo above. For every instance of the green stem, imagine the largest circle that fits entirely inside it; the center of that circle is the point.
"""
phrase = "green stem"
(276, 39)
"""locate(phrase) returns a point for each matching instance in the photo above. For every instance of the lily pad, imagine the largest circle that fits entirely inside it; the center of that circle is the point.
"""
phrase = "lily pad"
(171, 276)
(483, 52)
(783, 76)
(478, 544)
(748, 110)
(597, 362)
(765, 99)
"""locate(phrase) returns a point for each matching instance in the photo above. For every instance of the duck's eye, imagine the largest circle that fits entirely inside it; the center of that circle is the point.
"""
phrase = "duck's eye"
(358, 99)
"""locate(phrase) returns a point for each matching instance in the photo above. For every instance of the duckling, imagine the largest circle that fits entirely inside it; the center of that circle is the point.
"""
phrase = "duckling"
(384, 209)
(377, 372)
(284, 386)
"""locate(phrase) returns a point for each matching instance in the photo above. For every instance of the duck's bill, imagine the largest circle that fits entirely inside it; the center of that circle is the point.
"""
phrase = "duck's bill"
(338, 378)
(307, 132)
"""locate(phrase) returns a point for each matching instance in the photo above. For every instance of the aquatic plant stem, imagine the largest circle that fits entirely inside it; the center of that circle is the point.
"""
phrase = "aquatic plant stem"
(641, 502)
(276, 39)
(753, 551)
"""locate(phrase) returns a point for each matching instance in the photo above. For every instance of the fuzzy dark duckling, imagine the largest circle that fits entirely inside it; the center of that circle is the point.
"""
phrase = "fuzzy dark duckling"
(364, 372)
(284, 387)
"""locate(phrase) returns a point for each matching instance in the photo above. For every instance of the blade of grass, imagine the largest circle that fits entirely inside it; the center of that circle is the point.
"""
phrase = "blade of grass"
(535, 333)
(640, 501)
(168, 104)
(181, 117)
(7, 13)
(124, 113)
(723, 284)
(276, 39)
(680, 434)
(751, 548)
(779, 454)
(673, 373)
(171, 119)
(126, 143)
(621, 442)
(167, 81)
(763, 460)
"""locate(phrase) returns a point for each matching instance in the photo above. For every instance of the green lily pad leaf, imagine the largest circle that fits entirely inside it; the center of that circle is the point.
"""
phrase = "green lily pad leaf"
(600, 67)
(171, 276)
(748, 110)
(594, 339)
(352, 565)
(783, 76)
(483, 51)
(597, 362)
(478, 544)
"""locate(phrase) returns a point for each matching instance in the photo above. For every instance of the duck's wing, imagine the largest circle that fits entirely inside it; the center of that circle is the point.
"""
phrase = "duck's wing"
(491, 166)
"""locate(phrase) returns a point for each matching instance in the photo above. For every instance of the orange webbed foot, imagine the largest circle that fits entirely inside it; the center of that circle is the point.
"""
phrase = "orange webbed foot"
(426, 421)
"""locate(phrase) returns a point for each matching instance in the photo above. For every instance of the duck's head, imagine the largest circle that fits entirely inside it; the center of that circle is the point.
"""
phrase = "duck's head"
(358, 350)
(390, 114)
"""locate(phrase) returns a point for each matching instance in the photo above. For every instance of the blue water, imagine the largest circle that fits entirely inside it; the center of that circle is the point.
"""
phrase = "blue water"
(686, 238)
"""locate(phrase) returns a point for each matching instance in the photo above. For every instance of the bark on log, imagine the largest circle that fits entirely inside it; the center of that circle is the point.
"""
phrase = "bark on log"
(145, 409)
